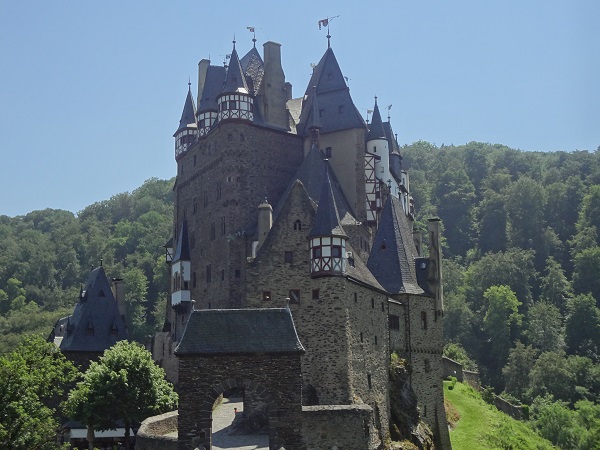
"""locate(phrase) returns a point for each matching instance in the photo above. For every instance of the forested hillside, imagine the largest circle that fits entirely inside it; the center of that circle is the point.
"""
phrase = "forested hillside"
(521, 269)
(45, 256)
(522, 273)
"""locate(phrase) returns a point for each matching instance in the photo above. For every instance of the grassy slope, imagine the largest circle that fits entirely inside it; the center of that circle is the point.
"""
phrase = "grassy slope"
(482, 426)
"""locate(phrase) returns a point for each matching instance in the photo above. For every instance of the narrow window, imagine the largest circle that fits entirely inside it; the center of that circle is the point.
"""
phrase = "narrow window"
(315, 294)
(382, 306)
(355, 297)
(423, 320)
(375, 340)
(297, 225)
(294, 295)
(427, 366)
(361, 337)
(237, 273)
(394, 322)
(222, 274)
(194, 279)
(208, 274)
(372, 303)
(288, 257)
(321, 112)
(193, 239)
(369, 380)
(212, 230)
(219, 192)
(266, 296)
(222, 226)
(194, 160)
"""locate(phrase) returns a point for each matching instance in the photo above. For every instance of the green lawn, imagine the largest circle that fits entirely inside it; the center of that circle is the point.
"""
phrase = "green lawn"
(482, 426)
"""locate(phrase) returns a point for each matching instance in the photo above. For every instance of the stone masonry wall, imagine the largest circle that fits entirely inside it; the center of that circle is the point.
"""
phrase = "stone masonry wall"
(162, 353)
(275, 378)
(221, 181)
(153, 431)
(425, 356)
(340, 427)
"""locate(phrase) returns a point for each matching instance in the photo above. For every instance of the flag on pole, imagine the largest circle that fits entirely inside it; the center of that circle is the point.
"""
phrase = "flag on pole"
(369, 111)
(346, 78)
(389, 107)
(323, 23)
(250, 29)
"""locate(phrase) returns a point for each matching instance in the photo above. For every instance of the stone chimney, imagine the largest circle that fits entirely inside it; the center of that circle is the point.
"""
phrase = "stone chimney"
(265, 221)
(202, 69)
(435, 266)
(274, 90)
(118, 290)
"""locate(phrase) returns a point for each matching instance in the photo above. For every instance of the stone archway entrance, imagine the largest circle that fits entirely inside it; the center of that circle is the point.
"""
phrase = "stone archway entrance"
(254, 350)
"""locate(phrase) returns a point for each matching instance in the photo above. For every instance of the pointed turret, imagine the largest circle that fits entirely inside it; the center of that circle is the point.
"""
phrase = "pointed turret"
(392, 258)
(181, 268)
(235, 100)
(376, 130)
(211, 82)
(188, 130)
(336, 109)
(327, 237)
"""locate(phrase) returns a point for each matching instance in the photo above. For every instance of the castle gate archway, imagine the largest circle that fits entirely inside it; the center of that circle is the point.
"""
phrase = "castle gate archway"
(260, 353)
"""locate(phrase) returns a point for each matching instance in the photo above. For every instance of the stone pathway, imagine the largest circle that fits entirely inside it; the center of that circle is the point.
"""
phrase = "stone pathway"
(222, 418)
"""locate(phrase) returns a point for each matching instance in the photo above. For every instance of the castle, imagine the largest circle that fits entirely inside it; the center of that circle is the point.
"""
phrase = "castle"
(295, 271)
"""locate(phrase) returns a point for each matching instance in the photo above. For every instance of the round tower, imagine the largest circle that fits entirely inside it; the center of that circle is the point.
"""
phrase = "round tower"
(327, 239)
(377, 144)
(187, 131)
(235, 101)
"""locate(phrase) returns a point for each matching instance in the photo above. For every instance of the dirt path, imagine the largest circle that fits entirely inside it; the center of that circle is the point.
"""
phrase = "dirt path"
(222, 418)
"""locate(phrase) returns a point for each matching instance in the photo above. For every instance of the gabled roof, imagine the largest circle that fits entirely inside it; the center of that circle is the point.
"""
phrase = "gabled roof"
(235, 80)
(327, 219)
(376, 130)
(312, 175)
(336, 108)
(254, 69)
(239, 331)
(96, 323)
(188, 116)
(213, 84)
(392, 258)
(182, 253)
(389, 134)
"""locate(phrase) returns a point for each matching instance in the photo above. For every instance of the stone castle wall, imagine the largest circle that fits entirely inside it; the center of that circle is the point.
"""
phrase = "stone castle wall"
(274, 378)
(346, 427)
(221, 180)
(153, 432)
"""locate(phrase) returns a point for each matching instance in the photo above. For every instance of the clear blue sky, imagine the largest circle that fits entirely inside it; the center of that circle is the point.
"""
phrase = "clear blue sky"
(91, 92)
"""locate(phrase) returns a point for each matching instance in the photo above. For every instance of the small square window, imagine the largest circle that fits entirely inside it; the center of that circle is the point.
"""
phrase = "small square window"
(237, 273)
(315, 294)
(394, 322)
(288, 257)
(266, 296)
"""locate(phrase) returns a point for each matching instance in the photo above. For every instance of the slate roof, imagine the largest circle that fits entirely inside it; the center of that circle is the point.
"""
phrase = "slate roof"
(327, 218)
(339, 112)
(239, 331)
(235, 80)
(188, 115)
(376, 130)
(96, 310)
(312, 175)
(392, 257)
(213, 84)
(254, 69)
(182, 253)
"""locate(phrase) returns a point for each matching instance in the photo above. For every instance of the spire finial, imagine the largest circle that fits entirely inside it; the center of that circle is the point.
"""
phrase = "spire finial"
(234, 41)
(328, 38)
(376, 100)
(251, 30)
(189, 84)
(101, 261)
(325, 23)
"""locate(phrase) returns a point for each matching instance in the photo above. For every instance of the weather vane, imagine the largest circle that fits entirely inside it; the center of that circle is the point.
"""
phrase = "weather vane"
(325, 23)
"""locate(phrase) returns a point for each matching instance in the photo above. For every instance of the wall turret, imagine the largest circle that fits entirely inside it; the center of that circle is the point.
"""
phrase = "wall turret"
(377, 144)
(188, 130)
(181, 269)
(235, 101)
(327, 239)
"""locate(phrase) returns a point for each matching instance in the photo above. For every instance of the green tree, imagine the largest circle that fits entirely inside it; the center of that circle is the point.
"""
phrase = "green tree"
(585, 274)
(555, 422)
(492, 223)
(555, 288)
(582, 327)
(502, 315)
(516, 371)
(125, 384)
(544, 327)
(31, 378)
